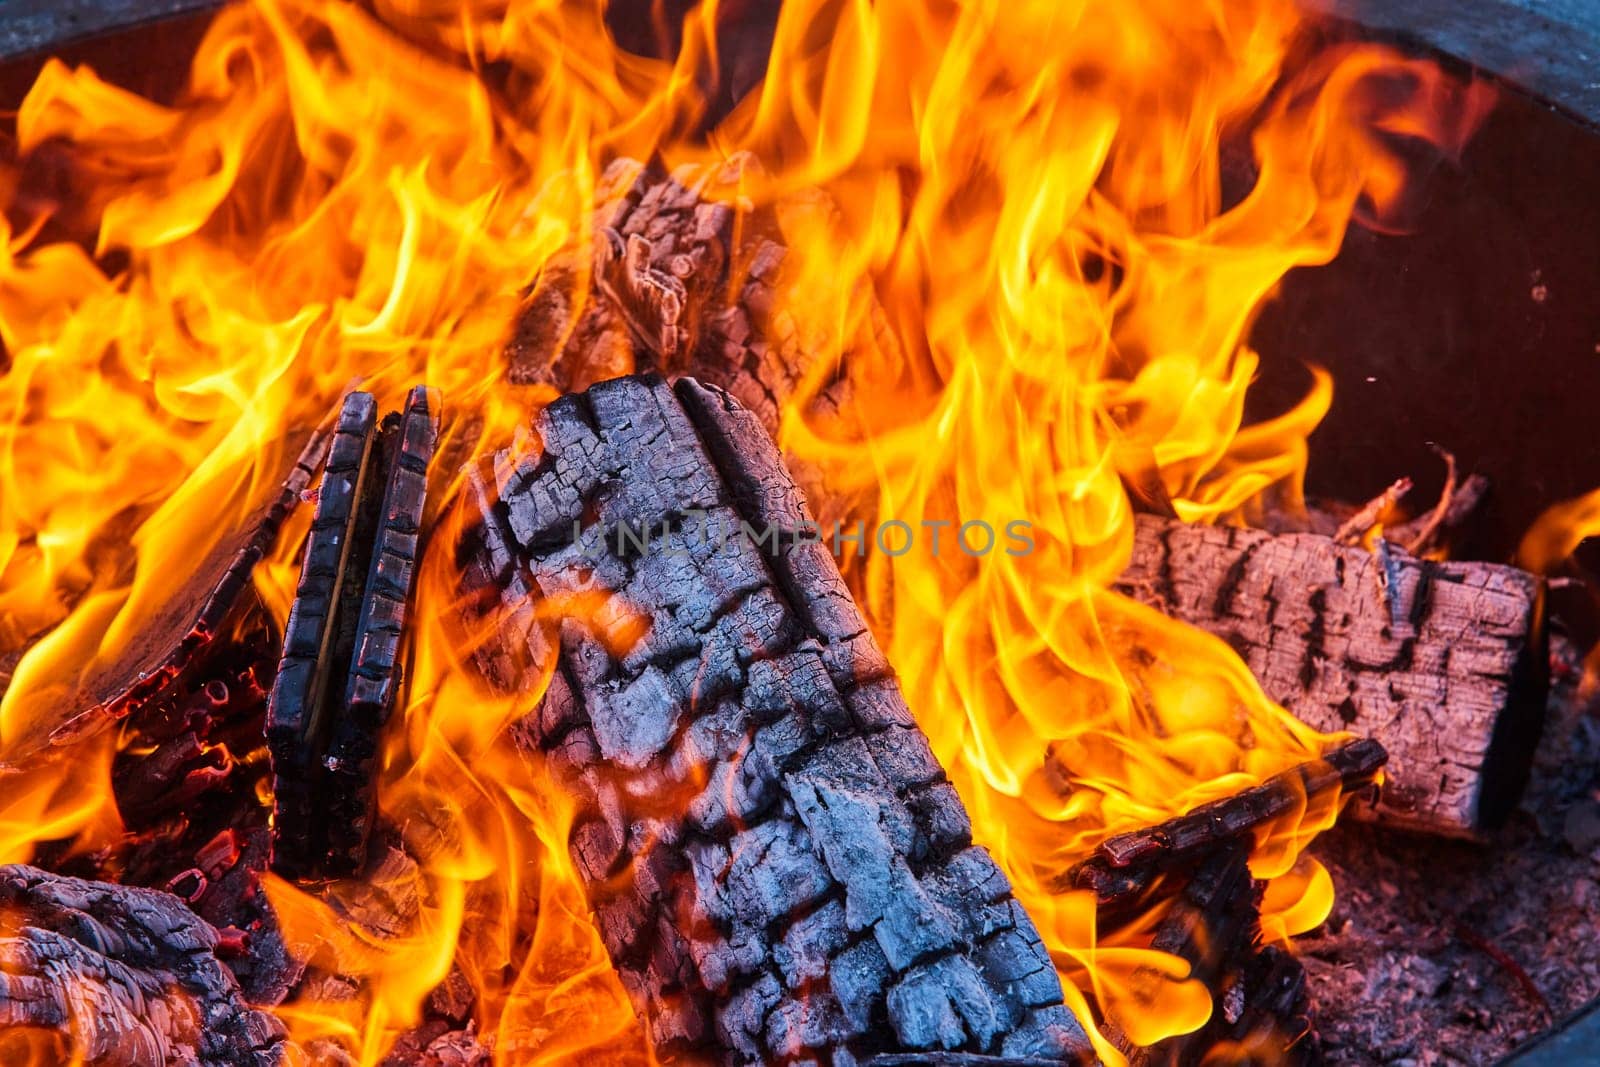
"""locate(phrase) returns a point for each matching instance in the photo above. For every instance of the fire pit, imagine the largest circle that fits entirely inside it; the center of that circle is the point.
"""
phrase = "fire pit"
(850, 534)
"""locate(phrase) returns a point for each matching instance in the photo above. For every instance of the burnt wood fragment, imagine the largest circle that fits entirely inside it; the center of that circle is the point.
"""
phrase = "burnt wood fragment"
(1442, 662)
(777, 864)
(956, 1059)
(173, 645)
(340, 671)
(122, 977)
(1123, 869)
(1260, 1007)
(373, 682)
(1264, 1012)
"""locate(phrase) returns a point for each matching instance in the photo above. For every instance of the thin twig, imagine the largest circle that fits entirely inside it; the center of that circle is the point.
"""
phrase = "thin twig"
(1357, 525)
(1511, 966)
(1441, 509)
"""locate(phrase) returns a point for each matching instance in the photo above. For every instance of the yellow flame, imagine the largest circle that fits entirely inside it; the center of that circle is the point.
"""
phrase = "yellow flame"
(1036, 278)
(1556, 534)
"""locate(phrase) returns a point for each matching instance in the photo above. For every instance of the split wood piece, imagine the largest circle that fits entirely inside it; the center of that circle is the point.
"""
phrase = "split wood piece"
(778, 866)
(217, 593)
(373, 682)
(1444, 663)
(1260, 1008)
(122, 977)
(1124, 869)
(340, 671)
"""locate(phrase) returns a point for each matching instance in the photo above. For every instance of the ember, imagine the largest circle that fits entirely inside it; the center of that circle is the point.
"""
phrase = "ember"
(372, 690)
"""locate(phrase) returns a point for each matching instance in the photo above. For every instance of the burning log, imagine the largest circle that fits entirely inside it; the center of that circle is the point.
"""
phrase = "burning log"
(340, 671)
(121, 977)
(1125, 868)
(688, 279)
(1444, 663)
(777, 863)
(687, 275)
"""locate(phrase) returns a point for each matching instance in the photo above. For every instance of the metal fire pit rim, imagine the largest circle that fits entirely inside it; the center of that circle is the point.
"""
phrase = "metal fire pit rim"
(39, 29)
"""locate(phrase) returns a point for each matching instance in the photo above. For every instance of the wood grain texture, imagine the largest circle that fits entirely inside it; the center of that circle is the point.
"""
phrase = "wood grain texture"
(1443, 663)
(777, 863)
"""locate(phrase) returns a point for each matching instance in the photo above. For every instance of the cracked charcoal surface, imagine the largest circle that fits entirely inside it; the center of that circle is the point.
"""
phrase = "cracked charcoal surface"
(125, 977)
(340, 672)
(1447, 669)
(776, 862)
(314, 642)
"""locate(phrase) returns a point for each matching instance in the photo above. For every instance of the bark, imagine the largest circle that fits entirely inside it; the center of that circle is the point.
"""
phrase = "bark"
(1444, 663)
(340, 671)
(777, 864)
(1124, 869)
(122, 977)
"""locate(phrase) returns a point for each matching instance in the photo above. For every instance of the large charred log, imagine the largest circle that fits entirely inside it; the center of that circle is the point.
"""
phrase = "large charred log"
(339, 675)
(122, 977)
(777, 863)
(1444, 663)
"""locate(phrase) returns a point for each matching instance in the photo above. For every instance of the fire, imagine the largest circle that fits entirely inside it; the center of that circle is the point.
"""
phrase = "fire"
(1055, 223)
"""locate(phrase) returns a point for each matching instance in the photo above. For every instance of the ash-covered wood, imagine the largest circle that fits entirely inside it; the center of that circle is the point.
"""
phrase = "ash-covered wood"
(339, 674)
(1444, 663)
(1123, 869)
(122, 977)
(777, 864)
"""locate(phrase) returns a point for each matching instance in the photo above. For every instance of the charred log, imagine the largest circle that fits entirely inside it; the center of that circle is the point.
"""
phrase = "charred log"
(1124, 869)
(337, 680)
(1444, 663)
(122, 976)
(777, 864)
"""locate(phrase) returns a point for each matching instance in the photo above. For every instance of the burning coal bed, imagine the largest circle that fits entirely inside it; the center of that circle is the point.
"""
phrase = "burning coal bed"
(471, 555)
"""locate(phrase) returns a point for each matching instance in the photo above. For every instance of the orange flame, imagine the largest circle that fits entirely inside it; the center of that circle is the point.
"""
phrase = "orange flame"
(1055, 223)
